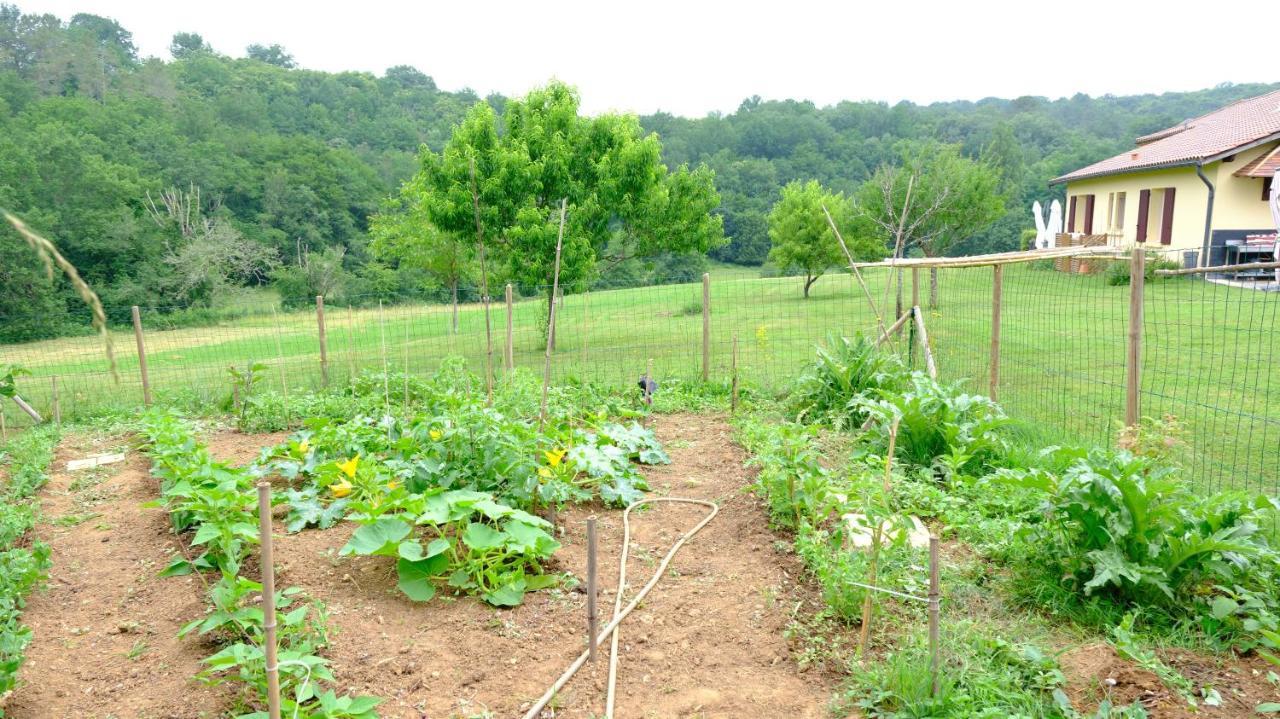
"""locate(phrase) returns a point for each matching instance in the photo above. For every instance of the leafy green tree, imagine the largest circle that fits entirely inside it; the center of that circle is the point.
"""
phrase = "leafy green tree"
(801, 234)
(186, 44)
(270, 54)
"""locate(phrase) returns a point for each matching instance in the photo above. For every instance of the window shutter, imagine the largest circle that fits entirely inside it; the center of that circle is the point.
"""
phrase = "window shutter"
(1088, 214)
(1071, 215)
(1166, 221)
(1144, 204)
(1266, 188)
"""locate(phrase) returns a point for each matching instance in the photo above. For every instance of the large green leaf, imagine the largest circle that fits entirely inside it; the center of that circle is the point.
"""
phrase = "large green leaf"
(482, 537)
(381, 538)
(415, 577)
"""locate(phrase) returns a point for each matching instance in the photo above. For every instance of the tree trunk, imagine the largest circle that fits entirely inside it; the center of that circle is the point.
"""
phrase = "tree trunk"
(898, 279)
(808, 282)
(933, 288)
(455, 305)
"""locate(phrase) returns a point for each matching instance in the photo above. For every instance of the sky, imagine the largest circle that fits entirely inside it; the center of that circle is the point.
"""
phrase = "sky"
(695, 57)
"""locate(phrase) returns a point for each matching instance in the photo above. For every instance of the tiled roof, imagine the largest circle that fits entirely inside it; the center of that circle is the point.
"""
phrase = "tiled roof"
(1265, 165)
(1208, 136)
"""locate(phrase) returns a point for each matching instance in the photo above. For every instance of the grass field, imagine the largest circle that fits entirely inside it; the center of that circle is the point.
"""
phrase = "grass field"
(1208, 350)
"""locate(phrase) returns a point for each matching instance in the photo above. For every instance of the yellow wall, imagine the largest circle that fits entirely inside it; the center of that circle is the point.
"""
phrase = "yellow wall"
(1237, 203)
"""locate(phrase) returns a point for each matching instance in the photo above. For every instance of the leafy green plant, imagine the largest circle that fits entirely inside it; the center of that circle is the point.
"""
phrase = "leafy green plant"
(845, 370)
(9, 373)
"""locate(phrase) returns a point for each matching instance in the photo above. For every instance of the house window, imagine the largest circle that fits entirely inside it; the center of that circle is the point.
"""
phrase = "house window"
(1115, 212)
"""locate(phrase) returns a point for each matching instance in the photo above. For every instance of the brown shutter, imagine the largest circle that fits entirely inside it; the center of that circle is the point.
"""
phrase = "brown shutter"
(1088, 214)
(1166, 222)
(1071, 215)
(1266, 189)
(1144, 204)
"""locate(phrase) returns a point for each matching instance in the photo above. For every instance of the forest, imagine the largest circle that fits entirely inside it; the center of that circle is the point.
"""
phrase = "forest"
(184, 183)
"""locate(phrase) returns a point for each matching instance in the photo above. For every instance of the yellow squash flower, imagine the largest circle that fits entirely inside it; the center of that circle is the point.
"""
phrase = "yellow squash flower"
(544, 472)
(436, 434)
(349, 467)
(341, 489)
(392, 486)
(303, 446)
(554, 457)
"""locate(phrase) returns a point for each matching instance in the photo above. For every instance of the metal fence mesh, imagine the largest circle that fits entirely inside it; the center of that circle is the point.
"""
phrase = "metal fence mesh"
(1208, 358)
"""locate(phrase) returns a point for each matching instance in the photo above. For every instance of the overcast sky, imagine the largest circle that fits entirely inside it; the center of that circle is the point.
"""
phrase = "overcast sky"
(691, 57)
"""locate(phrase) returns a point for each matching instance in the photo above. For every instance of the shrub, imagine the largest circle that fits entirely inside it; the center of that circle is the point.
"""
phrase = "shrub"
(844, 371)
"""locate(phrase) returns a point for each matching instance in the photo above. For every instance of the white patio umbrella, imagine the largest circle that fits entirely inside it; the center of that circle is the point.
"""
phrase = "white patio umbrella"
(1055, 222)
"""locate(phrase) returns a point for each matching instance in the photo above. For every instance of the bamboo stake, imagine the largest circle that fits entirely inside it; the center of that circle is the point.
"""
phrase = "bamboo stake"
(555, 286)
(1133, 378)
(406, 367)
(893, 328)
(924, 342)
(935, 597)
(997, 290)
(31, 411)
(592, 618)
(1219, 269)
(484, 287)
(586, 327)
(706, 326)
(877, 533)
(733, 397)
(999, 258)
(142, 356)
(386, 379)
(268, 600)
(913, 340)
(866, 292)
(284, 382)
(57, 407)
(324, 341)
(510, 350)
(897, 244)
(351, 345)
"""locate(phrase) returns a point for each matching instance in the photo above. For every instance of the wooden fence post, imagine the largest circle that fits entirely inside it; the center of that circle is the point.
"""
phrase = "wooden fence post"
(591, 588)
(324, 343)
(268, 600)
(1133, 380)
(733, 396)
(142, 356)
(935, 597)
(997, 289)
(510, 356)
(706, 326)
(912, 339)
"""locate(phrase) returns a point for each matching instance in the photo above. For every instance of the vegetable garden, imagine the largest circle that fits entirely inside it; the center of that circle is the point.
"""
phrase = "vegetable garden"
(432, 559)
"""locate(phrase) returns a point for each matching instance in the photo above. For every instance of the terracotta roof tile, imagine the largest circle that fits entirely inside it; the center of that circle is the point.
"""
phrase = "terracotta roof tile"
(1217, 133)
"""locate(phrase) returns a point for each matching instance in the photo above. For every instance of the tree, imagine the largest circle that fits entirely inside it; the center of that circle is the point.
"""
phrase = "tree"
(403, 232)
(930, 202)
(186, 44)
(270, 54)
(802, 237)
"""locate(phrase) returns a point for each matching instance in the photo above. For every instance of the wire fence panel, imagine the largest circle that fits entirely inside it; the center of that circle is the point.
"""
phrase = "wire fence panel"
(1208, 353)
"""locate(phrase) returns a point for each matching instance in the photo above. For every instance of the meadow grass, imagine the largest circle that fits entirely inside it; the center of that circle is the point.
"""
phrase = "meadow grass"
(1208, 350)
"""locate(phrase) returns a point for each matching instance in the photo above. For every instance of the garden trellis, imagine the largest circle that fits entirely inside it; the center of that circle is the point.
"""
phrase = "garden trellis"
(1053, 346)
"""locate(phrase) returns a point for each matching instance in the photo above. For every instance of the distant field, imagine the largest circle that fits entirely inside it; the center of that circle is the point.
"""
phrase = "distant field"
(1209, 353)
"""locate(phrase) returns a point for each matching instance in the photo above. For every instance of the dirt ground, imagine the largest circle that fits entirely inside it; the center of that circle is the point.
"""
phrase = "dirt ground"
(707, 643)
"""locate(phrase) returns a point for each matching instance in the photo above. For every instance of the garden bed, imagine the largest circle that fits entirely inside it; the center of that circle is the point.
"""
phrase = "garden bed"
(708, 642)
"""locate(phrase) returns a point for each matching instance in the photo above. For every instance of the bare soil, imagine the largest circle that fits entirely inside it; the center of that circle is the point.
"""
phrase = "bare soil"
(1095, 672)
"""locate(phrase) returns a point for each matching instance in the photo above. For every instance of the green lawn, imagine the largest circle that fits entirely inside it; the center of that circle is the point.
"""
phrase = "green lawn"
(1208, 350)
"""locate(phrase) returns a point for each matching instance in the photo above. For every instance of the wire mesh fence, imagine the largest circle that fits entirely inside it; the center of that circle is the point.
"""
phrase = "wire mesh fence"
(1208, 348)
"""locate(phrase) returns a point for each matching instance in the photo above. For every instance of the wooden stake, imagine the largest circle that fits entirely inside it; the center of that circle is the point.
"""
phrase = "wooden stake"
(935, 601)
(997, 290)
(510, 356)
(484, 288)
(351, 345)
(284, 382)
(733, 397)
(324, 342)
(386, 379)
(924, 342)
(142, 356)
(57, 408)
(1133, 379)
(555, 287)
(406, 367)
(893, 328)
(586, 327)
(856, 272)
(706, 326)
(591, 588)
(912, 339)
(31, 411)
(268, 600)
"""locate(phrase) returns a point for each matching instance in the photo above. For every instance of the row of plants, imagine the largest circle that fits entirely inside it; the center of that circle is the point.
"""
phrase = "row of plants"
(24, 559)
(1105, 537)
(451, 490)
(214, 504)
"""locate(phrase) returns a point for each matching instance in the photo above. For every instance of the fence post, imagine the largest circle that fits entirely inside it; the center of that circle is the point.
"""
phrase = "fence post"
(324, 343)
(510, 355)
(935, 596)
(57, 407)
(142, 356)
(1133, 379)
(912, 339)
(706, 326)
(591, 588)
(997, 290)
(268, 600)
(733, 396)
